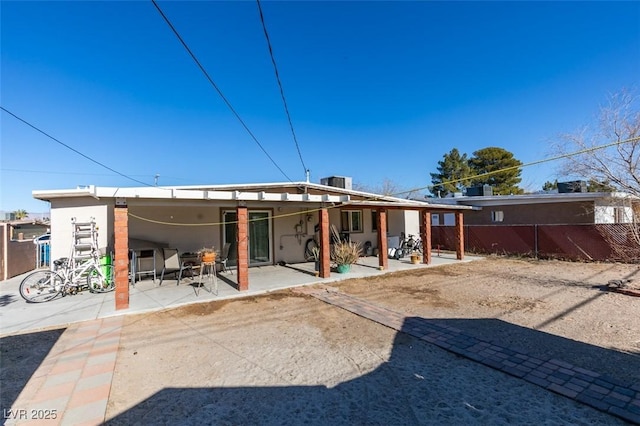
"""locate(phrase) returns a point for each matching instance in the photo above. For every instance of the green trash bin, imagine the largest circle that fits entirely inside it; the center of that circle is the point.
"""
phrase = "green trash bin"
(106, 267)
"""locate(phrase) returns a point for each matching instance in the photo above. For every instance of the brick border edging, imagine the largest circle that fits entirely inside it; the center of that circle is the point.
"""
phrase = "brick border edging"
(603, 393)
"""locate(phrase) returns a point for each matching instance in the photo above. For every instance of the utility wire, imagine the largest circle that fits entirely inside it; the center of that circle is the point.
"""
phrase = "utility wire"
(215, 86)
(53, 172)
(375, 198)
(284, 100)
(73, 149)
(532, 163)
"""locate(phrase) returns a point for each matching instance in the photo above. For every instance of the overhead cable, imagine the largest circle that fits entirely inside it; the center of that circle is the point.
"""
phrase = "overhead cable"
(284, 100)
(73, 149)
(215, 86)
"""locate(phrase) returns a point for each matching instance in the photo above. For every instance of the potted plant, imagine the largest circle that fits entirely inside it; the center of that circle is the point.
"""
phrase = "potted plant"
(207, 254)
(345, 254)
(415, 257)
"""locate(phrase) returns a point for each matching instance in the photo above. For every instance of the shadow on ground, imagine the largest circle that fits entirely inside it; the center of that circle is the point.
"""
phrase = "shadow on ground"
(419, 384)
(21, 357)
(619, 366)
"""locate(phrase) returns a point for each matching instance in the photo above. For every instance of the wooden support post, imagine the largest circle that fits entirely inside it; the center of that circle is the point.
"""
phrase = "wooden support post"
(242, 215)
(383, 261)
(425, 235)
(121, 261)
(459, 236)
(325, 247)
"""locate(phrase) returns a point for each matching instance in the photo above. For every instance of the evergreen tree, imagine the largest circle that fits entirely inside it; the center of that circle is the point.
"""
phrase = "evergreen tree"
(503, 168)
(453, 171)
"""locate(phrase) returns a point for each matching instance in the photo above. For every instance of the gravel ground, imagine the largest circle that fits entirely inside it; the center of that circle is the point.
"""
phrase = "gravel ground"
(291, 359)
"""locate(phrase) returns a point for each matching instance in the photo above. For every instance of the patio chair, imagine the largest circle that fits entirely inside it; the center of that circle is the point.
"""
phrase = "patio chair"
(224, 257)
(173, 264)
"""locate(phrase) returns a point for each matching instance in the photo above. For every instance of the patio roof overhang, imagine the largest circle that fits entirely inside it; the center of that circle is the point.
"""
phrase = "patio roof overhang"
(362, 200)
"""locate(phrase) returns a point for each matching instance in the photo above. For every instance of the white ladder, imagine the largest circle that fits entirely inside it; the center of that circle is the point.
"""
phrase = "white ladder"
(84, 242)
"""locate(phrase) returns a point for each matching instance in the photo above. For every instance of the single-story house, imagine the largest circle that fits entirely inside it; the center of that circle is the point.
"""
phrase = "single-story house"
(268, 223)
(542, 209)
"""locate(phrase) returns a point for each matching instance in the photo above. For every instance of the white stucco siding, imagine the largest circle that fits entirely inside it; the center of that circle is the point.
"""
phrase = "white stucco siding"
(83, 209)
(608, 211)
(187, 228)
(411, 222)
(292, 227)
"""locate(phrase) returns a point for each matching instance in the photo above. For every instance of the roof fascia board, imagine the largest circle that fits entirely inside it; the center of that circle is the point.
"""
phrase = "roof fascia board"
(539, 198)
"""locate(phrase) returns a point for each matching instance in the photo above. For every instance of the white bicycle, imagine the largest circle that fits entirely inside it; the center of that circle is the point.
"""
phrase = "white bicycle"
(43, 286)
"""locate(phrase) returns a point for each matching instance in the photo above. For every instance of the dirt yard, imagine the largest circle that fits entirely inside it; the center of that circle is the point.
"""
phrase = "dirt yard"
(285, 358)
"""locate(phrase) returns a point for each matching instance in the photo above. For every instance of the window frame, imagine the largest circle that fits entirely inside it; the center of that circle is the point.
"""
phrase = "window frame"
(349, 227)
(497, 216)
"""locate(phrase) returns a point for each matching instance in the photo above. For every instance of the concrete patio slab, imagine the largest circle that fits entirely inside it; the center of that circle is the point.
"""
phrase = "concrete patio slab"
(18, 316)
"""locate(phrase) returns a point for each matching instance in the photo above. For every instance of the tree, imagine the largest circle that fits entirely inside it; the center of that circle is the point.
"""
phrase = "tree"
(496, 167)
(609, 150)
(20, 214)
(549, 186)
(453, 174)
(388, 187)
(608, 153)
(595, 186)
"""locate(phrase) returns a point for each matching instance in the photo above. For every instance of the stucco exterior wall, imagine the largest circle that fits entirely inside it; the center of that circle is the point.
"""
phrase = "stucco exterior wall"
(83, 209)
(292, 227)
(612, 212)
(158, 221)
(201, 225)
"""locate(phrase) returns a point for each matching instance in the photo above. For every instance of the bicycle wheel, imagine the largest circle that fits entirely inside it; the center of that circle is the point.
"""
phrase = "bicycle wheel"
(309, 247)
(102, 279)
(41, 286)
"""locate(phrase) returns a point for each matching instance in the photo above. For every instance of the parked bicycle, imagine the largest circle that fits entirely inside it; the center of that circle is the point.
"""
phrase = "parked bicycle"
(43, 286)
(407, 246)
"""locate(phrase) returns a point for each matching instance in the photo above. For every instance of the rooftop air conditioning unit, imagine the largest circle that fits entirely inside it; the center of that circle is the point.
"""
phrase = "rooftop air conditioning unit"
(572, 186)
(337, 182)
(480, 191)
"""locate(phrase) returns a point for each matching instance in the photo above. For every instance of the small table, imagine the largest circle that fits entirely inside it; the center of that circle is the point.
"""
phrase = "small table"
(208, 268)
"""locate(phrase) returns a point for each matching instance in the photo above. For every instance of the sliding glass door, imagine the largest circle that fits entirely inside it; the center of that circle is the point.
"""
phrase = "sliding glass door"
(259, 229)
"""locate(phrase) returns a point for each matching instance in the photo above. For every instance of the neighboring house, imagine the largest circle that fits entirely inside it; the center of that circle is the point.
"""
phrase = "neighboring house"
(543, 209)
(566, 225)
(18, 253)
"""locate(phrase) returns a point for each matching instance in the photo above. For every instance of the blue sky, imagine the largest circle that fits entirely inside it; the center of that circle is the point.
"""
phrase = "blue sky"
(376, 90)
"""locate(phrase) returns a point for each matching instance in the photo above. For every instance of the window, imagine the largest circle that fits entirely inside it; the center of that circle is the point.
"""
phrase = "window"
(619, 215)
(497, 216)
(374, 221)
(351, 220)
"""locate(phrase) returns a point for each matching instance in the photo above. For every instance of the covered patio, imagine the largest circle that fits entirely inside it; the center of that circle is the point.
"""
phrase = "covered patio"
(267, 225)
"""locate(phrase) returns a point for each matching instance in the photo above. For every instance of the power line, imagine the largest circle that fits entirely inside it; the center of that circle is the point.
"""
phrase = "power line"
(215, 86)
(275, 69)
(73, 149)
(53, 172)
(533, 163)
